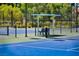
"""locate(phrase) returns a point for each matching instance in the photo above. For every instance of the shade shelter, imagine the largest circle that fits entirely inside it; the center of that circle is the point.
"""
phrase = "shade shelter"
(40, 15)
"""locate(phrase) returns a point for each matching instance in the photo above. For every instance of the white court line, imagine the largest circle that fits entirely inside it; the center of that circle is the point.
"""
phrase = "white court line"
(50, 48)
(71, 49)
(40, 47)
(74, 48)
(34, 42)
(74, 51)
(10, 46)
(24, 44)
(38, 42)
(19, 45)
(44, 48)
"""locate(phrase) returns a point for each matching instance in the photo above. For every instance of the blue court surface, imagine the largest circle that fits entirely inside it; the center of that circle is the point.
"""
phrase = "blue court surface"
(41, 47)
(49, 47)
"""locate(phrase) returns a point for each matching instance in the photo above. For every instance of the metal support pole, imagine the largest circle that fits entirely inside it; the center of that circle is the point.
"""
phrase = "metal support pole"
(11, 18)
(7, 30)
(15, 31)
(60, 26)
(60, 22)
(53, 23)
(32, 22)
(71, 19)
(25, 19)
(35, 30)
(76, 23)
(76, 19)
(46, 33)
(35, 25)
(3, 18)
(25, 27)
(38, 24)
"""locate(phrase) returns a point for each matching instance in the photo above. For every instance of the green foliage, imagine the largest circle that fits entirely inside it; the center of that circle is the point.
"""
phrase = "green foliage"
(6, 12)
(50, 8)
(17, 14)
(35, 8)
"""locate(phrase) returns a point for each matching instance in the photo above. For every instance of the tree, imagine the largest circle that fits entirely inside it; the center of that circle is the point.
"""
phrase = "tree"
(6, 13)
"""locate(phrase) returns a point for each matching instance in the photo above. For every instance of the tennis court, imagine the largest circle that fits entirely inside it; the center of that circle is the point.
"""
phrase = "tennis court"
(38, 31)
(42, 47)
(51, 46)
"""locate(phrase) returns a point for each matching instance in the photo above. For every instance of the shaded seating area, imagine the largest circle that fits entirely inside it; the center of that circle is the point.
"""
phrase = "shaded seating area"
(43, 31)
